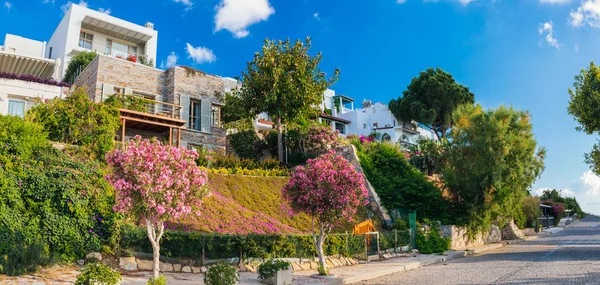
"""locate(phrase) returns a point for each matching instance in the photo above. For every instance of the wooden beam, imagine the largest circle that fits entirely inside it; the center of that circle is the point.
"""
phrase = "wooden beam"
(123, 132)
(170, 136)
(178, 137)
(151, 122)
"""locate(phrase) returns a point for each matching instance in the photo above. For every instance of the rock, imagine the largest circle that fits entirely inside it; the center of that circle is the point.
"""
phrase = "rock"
(305, 266)
(177, 267)
(146, 265)
(196, 269)
(94, 255)
(81, 262)
(329, 263)
(166, 267)
(127, 263)
(336, 262)
(387, 256)
(203, 269)
(186, 269)
(242, 267)
(296, 266)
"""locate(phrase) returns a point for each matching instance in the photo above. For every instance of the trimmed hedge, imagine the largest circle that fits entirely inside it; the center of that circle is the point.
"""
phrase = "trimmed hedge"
(178, 244)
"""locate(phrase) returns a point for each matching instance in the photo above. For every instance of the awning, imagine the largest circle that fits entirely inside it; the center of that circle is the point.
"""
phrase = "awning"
(101, 26)
(332, 118)
(27, 65)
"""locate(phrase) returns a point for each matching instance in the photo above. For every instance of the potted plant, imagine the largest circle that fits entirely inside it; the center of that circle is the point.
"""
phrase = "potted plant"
(275, 272)
(132, 58)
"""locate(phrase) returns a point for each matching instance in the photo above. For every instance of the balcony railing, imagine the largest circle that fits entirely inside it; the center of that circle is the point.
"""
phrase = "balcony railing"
(147, 106)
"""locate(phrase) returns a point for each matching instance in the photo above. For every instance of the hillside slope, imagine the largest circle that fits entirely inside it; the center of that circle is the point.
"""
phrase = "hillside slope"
(246, 204)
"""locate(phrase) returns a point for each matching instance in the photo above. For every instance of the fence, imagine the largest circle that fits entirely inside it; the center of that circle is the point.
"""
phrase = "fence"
(546, 222)
(202, 246)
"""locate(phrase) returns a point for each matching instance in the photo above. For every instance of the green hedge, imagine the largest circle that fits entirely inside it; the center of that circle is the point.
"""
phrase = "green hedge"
(179, 244)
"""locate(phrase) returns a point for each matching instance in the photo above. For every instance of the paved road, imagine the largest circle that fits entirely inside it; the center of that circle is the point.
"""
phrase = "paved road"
(571, 256)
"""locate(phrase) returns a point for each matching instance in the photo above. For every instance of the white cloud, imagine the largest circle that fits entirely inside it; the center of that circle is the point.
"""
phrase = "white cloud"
(547, 30)
(171, 61)
(400, 1)
(105, 11)
(563, 192)
(587, 13)
(49, 1)
(466, 2)
(316, 16)
(237, 15)
(8, 5)
(187, 3)
(67, 5)
(555, 1)
(576, 47)
(591, 182)
(199, 54)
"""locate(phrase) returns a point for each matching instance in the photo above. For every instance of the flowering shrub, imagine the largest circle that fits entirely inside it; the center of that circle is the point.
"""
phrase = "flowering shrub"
(31, 78)
(250, 172)
(132, 58)
(155, 182)
(98, 273)
(329, 190)
(321, 139)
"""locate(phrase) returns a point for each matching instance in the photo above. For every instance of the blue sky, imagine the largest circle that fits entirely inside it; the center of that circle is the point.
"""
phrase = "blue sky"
(523, 53)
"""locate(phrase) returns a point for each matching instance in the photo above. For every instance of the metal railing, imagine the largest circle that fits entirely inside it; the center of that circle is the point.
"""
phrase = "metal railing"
(149, 106)
(546, 221)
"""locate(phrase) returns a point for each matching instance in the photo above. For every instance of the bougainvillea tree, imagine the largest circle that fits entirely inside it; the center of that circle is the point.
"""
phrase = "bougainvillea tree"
(329, 190)
(156, 182)
(320, 139)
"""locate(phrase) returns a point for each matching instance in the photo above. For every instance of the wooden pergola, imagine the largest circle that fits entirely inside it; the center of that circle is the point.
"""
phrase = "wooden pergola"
(151, 122)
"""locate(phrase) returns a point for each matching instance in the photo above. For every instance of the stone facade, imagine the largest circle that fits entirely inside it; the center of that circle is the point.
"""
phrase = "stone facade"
(349, 153)
(106, 74)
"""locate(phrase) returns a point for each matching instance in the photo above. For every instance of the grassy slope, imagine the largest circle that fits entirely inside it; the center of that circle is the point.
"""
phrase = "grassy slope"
(247, 204)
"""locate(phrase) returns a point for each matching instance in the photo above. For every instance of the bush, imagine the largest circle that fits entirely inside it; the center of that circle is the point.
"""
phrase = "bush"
(79, 121)
(78, 62)
(161, 280)
(47, 200)
(400, 225)
(227, 164)
(247, 145)
(23, 259)
(431, 242)
(98, 273)
(270, 267)
(221, 274)
(399, 184)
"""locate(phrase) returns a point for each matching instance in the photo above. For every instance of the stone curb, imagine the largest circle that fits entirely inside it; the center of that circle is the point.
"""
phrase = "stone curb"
(450, 255)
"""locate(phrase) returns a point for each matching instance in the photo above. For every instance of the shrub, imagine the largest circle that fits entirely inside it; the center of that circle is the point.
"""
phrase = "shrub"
(23, 259)
(128, 102)
(221, 274)
(78, 62)
(32, 78)
(270, 267)
(431, 241)
(98, 273)
(247, 145)
(400, 224)
(78, 120)
(531, 210)
(321, 139)
(48, 200)
(161, 280)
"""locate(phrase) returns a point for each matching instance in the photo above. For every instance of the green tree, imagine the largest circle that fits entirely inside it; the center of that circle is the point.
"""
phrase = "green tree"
(284, 81)
(430, 100)
(584, 106)
(531, 210)
(80, 61)
(492, 161)
(234, 109)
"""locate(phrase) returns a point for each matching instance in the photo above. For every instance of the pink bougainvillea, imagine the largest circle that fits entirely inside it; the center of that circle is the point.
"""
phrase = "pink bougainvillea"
(155, 182)
(328, 189)
(321, 139)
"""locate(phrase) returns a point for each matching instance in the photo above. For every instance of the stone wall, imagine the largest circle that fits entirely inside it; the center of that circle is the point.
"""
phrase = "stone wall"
(189, 266)
(349, 153)
(460, 239)
(511, 231)
(198, 85)
(216, 140)
(123, 73)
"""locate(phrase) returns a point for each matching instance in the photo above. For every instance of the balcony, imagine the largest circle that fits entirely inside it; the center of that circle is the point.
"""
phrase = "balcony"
(148, 115)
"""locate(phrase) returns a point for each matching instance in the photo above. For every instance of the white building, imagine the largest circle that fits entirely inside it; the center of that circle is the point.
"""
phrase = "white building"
(83, 29)
(333, 107)
(378, 118)
(26, 77)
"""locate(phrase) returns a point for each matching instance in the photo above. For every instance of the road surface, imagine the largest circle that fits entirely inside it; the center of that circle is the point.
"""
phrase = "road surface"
(571, 256)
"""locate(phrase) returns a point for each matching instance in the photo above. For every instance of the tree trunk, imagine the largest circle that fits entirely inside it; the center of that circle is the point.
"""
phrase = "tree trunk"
(319, 246)
(155, 241)
(279, 140)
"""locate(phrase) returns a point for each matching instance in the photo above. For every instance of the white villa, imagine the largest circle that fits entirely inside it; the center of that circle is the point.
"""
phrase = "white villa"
(83, 29)
(26, 76)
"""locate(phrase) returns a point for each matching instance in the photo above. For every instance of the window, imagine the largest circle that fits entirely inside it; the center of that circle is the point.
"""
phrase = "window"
(215, 116)
(119, 90)
(16, 108)
(119, 49)
(85, 40)
(394, 121)
(195, 115)
(364, 125)
(50, 55)
(340, 128)
(374, 125)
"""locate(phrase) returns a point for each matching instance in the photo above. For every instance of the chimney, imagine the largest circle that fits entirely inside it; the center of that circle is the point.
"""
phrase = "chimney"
(149, 25)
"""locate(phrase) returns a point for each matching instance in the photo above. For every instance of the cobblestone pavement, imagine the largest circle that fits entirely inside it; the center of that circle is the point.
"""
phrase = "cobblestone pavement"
(571, 256)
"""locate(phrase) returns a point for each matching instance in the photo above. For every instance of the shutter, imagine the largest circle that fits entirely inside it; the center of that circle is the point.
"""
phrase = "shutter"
(205, 119)
(184, 101)
(161, 108)
(128, 91)
(107, 91)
